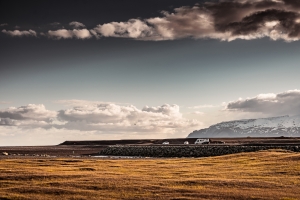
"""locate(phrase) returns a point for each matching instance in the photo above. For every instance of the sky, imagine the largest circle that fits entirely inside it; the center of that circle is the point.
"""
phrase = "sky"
(129, 69)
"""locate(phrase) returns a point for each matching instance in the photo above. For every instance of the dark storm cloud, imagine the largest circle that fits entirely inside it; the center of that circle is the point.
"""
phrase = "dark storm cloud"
(254, 19)
(286, 23)
(10, 115)
(223, 20)
(292, 3)
(285, 103)
(227, 12)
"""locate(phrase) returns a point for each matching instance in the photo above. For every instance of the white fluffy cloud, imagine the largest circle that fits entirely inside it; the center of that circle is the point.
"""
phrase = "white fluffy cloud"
(75, 24)
(111, 117)
(134, 28)
(20, 33)
(184, 22)
(285, 103)
(61, 33)
(99, 119)
(4, 24)
(67, 34)
(81, 33)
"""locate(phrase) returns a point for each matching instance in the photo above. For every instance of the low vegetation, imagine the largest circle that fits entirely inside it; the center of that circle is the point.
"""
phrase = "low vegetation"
(273, 174)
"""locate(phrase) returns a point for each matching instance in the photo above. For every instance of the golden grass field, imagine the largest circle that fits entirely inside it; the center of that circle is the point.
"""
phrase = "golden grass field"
(270, 174)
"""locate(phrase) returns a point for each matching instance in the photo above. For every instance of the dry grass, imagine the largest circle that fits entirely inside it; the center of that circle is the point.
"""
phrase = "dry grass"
(259, 175)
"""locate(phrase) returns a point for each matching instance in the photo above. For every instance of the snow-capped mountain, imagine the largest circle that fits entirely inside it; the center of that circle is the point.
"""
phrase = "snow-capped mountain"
(263, 127)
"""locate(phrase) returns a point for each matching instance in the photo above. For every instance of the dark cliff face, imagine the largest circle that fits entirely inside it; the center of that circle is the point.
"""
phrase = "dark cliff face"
(264, 127)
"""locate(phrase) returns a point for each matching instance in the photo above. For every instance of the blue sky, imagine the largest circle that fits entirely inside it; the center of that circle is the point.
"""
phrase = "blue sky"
(57, 83)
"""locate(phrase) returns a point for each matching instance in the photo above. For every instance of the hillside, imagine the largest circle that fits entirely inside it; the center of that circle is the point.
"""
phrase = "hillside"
(264, 127)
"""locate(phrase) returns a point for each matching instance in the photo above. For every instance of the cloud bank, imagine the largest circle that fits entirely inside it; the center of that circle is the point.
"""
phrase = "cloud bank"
(100, 119)
(67, 34)
(285, 103)
(32, 115)
(225, 20)
(111, 117)
(133, 28)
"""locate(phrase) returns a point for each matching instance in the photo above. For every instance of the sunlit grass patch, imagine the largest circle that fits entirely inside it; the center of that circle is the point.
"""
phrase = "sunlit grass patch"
(258, 175)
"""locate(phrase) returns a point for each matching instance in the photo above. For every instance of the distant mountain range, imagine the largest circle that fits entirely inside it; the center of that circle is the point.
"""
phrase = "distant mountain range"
(263, 127)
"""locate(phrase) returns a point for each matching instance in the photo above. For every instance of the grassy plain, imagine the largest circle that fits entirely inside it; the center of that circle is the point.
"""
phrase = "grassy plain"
(259, 175)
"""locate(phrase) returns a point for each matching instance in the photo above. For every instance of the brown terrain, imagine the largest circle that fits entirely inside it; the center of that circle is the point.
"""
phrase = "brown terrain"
(272, 174)
(69, 171)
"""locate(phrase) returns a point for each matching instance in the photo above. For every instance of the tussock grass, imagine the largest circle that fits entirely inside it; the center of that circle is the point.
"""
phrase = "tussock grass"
(271, 174)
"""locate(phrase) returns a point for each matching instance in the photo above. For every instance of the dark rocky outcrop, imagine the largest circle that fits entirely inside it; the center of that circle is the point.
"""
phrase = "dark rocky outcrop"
(188, 151)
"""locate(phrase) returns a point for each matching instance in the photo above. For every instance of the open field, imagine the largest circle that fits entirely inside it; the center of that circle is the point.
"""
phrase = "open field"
(57, 150)
(258, 175)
